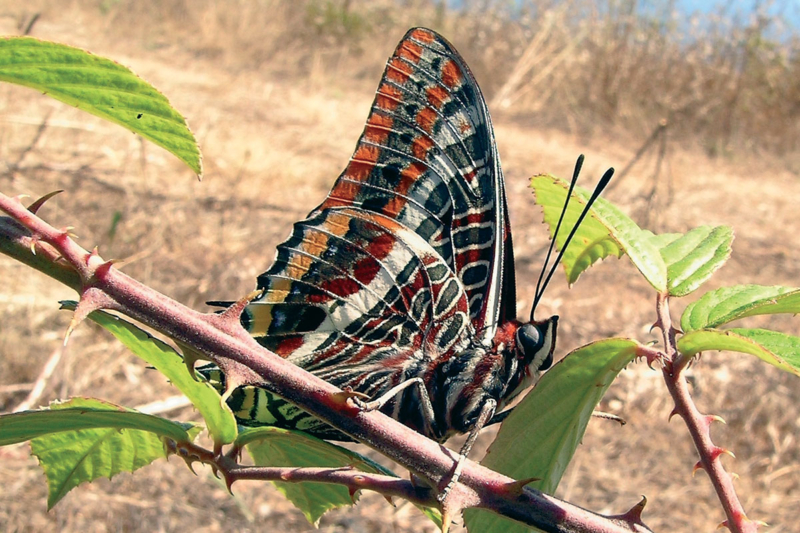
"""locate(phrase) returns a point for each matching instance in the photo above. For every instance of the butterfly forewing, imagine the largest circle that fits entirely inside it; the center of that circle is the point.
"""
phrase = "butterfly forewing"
(428, 159)
(408, 261)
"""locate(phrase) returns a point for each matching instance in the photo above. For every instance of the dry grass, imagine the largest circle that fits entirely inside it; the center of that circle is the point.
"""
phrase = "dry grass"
(727, 82)
(277, 93)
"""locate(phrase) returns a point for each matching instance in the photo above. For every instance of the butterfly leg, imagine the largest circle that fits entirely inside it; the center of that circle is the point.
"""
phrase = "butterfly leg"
(487, 410)
(425, 400)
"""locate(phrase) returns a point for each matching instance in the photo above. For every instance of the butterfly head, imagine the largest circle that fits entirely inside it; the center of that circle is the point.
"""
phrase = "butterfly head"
(527, 350)
(535, 343)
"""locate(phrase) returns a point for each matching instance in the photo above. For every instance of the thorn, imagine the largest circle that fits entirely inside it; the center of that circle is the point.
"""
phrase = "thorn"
(228, 482)
(515, 487)
(190, 357)
(742, 518)
(66, 233)
(91, 300)
(651, 355)
(634, 514)
(715, 418)
(21, 197)
(234, 312)
(35, 206)
(103, 269)
(34, 242)
(187, 459)
(717, 451)
(87, 259)
(673, 413)
(390, 500)
(734, 476)
(352, 492)
(654, 325)
(697, 466)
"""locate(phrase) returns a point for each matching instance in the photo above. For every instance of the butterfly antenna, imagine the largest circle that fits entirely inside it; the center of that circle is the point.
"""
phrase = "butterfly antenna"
(575, 173)
(595, 194)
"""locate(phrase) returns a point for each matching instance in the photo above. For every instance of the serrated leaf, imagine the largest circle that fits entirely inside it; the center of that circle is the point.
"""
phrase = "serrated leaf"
(83, 439)
(693, 257)
(101, 87)
(606, 231)
(86, 413)
(540, 436)
(724, 305)
(272, 446)
(217, 415)
(78, 414)
(778, 349)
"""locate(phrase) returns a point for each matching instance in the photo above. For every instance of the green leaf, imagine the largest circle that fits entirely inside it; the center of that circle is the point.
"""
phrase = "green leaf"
(217, 415)
(101, 87)
(272, 446)
(605, 231)
(731, 303)
(692, 258)
(83, 413)
(778, 349)
(83, 439)
(540, 436)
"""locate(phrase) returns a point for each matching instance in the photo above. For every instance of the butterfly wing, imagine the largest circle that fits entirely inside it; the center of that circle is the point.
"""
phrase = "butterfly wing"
(409, 257)
(428, 159)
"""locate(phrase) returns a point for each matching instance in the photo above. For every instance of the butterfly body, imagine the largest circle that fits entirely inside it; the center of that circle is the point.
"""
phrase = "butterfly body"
(405, 271)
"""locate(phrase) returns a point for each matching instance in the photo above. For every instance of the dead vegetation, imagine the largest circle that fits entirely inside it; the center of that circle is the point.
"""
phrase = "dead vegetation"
(277, 93)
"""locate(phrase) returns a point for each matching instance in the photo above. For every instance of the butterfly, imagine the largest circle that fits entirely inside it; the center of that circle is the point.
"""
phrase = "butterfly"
(400, 284)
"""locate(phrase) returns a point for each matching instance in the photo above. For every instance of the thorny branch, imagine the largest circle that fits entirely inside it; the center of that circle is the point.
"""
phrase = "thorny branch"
(222, 339)
(699, 425)
(352, 478)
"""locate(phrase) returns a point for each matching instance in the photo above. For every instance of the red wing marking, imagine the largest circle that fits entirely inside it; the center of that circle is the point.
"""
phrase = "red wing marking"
(420, 147)
(437, 96)
(410, 51)
(398, 71)
(451, 74)
(380, 246)
(287, 345)
(423, 35)
(388, 97)
(426, 119)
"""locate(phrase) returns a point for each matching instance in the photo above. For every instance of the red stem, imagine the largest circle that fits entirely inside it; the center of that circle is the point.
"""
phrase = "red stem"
(699, 425)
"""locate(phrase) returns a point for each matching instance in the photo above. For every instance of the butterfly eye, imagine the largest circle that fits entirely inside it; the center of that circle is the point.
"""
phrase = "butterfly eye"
(536, 342)
(529, 339)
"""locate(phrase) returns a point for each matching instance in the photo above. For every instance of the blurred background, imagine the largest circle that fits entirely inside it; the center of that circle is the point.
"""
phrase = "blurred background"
(695, 103)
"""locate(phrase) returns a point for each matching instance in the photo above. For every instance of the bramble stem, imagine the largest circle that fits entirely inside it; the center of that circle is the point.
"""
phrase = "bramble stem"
(224, 340)
(347, 476)
(699, 425)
